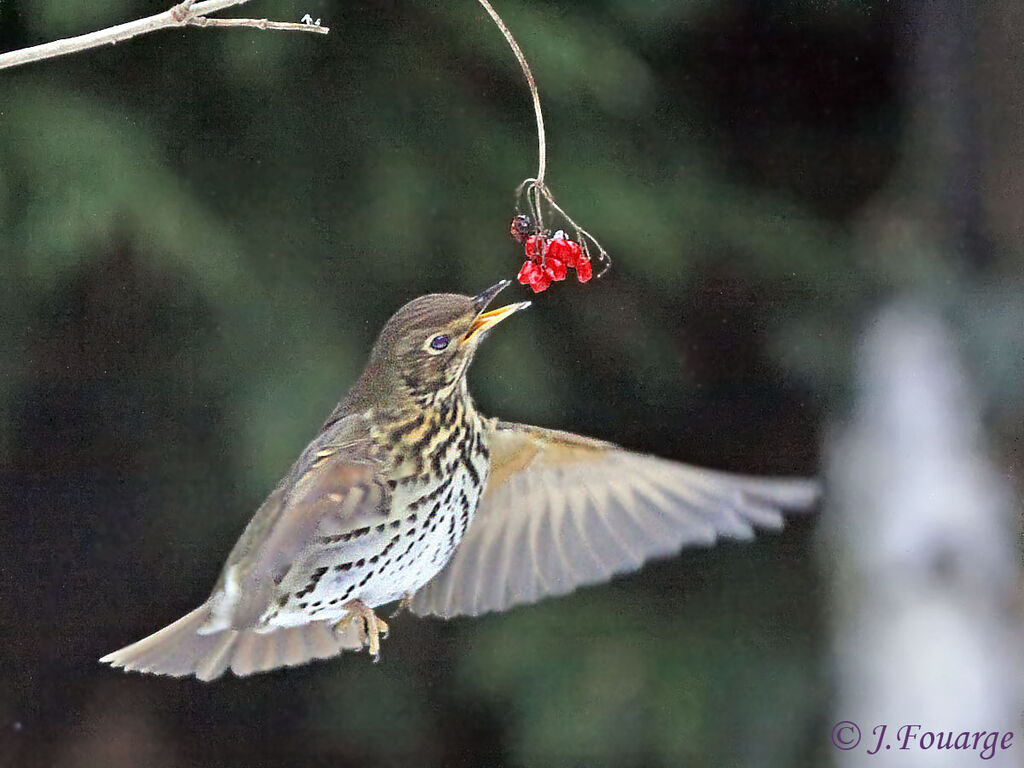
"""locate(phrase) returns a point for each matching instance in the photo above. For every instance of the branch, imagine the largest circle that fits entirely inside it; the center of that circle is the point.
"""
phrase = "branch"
(285, 26)
(187, 13)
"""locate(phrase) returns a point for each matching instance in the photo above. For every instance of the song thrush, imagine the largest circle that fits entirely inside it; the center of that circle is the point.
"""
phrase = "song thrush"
(408, 493)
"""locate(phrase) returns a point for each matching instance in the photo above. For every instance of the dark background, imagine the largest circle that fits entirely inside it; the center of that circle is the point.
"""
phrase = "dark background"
(202, 231)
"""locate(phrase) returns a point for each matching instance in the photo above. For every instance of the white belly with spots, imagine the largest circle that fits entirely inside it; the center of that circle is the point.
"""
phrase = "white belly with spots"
(426, 525)
(440, 525)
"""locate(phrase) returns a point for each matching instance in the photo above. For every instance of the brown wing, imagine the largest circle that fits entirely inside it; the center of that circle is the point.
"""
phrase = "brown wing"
(561, 511)
(332, 490)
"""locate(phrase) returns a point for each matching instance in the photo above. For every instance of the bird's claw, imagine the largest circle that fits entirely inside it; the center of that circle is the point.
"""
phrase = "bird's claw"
(404, 605)
(374, 629)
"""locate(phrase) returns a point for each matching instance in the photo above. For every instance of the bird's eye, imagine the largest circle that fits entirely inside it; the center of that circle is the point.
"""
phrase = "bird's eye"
(439, 343)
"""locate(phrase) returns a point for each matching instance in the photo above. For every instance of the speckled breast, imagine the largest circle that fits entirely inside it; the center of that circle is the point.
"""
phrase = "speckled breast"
(430, 511)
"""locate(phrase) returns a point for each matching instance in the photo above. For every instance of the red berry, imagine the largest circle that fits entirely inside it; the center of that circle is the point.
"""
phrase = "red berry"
(559, 248)
(541, 282)
(533, 275)
(554, 268)
(549, 260)
(564, 249)
(575, 254)
(528, 273)
(536, 246)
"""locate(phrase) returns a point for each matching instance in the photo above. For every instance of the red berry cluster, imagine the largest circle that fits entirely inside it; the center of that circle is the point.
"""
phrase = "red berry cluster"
(548, 260)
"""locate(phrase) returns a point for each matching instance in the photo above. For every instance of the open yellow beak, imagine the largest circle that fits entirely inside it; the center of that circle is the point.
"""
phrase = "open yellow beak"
(487, 320)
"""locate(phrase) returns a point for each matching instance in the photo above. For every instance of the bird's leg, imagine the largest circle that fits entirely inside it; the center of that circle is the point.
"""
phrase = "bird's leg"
(373, 629)
(404, 605)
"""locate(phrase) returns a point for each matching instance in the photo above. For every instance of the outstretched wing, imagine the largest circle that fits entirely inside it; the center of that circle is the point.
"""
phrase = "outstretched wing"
(560, 511)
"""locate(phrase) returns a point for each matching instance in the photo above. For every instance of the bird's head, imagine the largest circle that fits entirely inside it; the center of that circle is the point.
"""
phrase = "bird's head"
(427, 345)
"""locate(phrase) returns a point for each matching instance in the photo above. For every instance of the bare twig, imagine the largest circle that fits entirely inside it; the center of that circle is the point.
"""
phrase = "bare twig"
(186, 13)
(286, 26)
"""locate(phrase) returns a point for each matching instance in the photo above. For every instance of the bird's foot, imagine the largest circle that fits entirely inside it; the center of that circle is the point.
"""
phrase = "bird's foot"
(374, 629)
(404, 605)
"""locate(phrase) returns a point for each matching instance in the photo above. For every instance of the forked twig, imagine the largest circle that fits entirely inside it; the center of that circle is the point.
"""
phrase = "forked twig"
(186, 13)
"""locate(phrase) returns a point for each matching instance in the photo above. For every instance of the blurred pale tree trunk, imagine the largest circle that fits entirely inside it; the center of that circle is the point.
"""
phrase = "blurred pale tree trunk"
(922, 535)
(926, 565)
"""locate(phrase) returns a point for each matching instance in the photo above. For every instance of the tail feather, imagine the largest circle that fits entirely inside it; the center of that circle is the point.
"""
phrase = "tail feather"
(178, 650)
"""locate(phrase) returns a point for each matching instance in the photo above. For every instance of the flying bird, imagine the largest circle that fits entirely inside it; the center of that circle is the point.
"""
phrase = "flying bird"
(409, 494)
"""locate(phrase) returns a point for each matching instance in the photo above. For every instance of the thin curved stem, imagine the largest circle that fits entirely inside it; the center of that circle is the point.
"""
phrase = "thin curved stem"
(535, 191)
(542, 152)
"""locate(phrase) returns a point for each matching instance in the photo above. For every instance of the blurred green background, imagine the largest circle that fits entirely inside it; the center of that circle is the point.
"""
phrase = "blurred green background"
(201, 232)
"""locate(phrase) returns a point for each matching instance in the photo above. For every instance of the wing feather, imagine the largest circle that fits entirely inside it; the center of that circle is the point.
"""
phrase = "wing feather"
(614, 552)
(551, 561)
(330, 492)
(589, 564)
